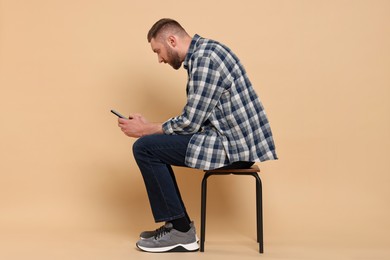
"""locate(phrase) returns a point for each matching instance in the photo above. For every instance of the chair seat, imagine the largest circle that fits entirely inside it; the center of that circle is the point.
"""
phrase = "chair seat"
(254, 168)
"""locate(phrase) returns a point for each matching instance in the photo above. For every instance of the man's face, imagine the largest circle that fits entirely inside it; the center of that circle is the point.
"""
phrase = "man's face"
(166, 53)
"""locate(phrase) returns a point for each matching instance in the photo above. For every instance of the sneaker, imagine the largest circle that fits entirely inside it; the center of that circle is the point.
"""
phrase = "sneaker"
(149, 234)
(168, 239)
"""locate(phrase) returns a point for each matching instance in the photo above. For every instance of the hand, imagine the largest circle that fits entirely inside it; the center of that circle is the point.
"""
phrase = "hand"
(137, 126)
(133, 126)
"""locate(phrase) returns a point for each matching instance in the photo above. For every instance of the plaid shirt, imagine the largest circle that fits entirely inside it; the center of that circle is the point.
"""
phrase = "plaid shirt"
(223, 112)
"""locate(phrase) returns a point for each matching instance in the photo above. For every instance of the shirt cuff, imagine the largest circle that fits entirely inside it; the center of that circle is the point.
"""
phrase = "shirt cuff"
(167, 127)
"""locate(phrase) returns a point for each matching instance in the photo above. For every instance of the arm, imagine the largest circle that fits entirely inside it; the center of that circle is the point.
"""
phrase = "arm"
(204, 91)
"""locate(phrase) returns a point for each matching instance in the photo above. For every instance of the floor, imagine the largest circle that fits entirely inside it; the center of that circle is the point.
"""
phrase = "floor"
(118, 246)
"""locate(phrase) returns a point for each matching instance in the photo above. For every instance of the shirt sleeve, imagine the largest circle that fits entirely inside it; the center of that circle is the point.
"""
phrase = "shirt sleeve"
(204, 89)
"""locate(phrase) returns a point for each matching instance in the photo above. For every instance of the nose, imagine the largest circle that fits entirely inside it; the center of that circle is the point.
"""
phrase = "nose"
(160, 60)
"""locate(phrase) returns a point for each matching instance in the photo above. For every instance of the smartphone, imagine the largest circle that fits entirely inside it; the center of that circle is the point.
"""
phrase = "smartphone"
(118, 114)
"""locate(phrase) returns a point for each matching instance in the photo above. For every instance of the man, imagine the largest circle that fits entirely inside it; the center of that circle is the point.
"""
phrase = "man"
(223, 124)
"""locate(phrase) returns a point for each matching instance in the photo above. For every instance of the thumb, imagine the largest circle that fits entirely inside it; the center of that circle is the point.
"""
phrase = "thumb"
(135, 115)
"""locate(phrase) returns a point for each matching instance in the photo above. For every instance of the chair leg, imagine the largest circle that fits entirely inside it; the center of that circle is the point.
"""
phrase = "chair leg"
(259, 213)
(203, 212)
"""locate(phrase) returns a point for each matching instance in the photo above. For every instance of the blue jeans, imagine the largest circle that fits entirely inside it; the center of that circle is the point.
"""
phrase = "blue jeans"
(154, 155)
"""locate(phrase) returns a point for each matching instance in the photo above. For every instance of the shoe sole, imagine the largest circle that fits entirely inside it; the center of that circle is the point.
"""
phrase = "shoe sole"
(192, 247)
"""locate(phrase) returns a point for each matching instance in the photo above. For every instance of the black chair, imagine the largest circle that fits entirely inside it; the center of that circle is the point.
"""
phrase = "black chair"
(259, 204)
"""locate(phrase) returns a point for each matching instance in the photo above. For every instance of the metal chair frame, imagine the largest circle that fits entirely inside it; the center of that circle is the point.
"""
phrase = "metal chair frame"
(253, 171)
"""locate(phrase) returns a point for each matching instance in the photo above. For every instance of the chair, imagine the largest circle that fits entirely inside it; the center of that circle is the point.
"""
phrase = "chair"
(259, 205)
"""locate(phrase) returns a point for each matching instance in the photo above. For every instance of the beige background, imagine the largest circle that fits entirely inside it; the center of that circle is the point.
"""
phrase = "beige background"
(69, 186)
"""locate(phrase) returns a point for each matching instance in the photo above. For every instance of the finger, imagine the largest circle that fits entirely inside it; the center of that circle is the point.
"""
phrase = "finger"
(122, 121)
(136, 115)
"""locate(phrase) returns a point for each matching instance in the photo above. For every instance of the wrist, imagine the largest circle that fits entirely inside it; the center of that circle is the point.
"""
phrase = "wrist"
(152, 128)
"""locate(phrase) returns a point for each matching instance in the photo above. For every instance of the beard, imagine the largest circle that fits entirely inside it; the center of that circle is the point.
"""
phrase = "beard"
(173, 59)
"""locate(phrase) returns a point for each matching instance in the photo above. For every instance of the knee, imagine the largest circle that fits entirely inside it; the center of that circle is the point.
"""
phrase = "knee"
(143, 146)
(139, 146)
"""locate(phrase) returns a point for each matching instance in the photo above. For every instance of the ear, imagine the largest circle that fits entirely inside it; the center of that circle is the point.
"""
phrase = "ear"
(172, 41)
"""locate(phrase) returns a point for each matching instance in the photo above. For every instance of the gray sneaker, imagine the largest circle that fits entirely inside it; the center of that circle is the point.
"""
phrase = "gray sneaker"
(168, 239)
(149, 234)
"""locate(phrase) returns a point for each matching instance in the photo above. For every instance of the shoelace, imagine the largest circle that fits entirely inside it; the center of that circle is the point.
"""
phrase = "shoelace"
(160, 232)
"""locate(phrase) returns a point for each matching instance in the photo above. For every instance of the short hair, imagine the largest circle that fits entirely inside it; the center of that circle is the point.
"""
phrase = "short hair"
(164, 25)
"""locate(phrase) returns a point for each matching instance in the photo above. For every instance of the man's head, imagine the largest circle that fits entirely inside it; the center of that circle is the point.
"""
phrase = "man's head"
(170, 41)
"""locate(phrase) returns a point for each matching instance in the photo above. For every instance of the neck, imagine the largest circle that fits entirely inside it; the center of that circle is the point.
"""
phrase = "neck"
(186, 42)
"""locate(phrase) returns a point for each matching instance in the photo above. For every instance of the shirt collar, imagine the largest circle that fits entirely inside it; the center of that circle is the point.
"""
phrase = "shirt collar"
(190, 50)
